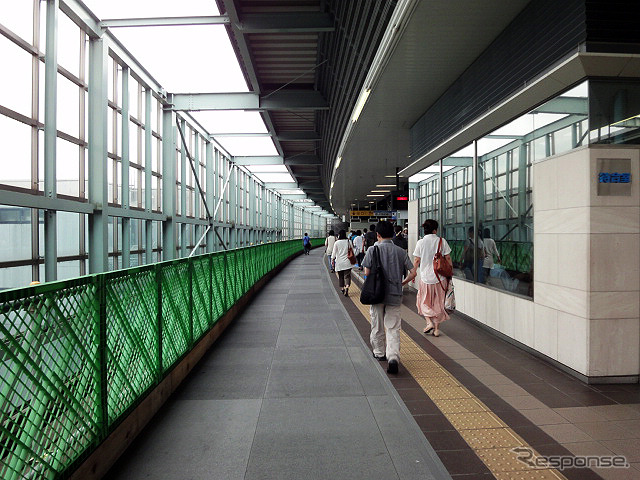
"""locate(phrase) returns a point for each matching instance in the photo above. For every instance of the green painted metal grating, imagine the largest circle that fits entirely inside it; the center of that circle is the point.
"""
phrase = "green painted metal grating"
(76, 356)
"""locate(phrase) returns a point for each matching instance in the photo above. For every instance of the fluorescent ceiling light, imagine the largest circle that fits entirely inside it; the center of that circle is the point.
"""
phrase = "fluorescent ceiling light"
(338, 162)
(385, 185)
(360, 105)
(375, 195)
(380, 191)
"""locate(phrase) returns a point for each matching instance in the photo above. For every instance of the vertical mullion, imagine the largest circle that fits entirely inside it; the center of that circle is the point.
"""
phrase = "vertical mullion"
(98, 244)
(126, 221)
(210, 181)
(168, 186)
(183, 193)
(50, 138)
(148, 175)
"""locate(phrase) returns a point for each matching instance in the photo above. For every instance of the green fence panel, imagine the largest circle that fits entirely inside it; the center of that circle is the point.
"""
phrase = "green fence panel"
(76, 356)
(176, 319)
(218, 286)
(132, 338)
(201, 288)
(48, 378)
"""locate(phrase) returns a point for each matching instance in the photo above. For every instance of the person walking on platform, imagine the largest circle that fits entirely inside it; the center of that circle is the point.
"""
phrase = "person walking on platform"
(385, 317)
(491, 252)
(399, 239)
(370, 237)
(431, 291)
(340, 261)
(306, 243)
(328, 244)
(358, 247)
(468, 266)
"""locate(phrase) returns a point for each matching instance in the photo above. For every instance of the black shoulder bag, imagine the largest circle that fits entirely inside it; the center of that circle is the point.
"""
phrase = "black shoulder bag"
(375, 283)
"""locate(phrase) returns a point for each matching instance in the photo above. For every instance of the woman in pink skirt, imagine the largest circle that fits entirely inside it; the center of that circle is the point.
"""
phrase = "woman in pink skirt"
(431, 292)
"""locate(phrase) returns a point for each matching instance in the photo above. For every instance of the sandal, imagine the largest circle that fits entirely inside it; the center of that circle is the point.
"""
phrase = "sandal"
(436, 334)
(428, 330)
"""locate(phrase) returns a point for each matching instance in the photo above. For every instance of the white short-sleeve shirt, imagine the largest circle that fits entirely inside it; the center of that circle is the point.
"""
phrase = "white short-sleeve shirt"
(426, 248)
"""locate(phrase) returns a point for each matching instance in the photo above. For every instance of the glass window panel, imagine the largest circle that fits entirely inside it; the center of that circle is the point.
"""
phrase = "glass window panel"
(614, 112)
(15, 277)
(70, 269)
(111, 80)
(15, 88)
(68, 44)
(19, 19)
(68, 233)
(15, 233)
(134, 97)
(68, 118)
(539, 148)
(134, 187)
(15, 138)
(67, 168)
(41, 233)
(134, 229)
(111, 139)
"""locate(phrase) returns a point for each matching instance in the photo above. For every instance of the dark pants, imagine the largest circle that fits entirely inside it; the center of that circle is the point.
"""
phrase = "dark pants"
(344, 278)
(360, 258)
(307, 247)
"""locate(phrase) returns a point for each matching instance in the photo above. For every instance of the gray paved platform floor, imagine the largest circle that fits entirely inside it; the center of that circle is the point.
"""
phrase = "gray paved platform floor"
(290, 391)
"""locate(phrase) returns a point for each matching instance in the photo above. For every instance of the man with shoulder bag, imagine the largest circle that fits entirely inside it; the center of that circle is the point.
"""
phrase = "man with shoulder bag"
(394, 263)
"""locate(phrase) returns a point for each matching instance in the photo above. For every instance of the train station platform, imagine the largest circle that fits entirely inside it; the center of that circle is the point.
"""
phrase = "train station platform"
(291, 391)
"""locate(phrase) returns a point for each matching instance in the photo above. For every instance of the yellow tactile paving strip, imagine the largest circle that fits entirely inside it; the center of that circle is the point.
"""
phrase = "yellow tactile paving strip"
(488, 436)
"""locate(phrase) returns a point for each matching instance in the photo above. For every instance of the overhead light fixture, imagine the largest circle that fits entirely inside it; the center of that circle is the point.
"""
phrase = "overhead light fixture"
(380, 191)
(360, 105)
(385, 185)
(375, 195)
(338, 162)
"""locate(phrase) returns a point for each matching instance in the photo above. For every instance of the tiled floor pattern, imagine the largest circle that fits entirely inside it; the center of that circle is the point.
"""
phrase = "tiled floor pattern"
(556, 413)
(489, 437)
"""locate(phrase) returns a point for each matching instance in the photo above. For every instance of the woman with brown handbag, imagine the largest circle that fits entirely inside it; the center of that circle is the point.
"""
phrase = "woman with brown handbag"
(343, 260)
(432, 253)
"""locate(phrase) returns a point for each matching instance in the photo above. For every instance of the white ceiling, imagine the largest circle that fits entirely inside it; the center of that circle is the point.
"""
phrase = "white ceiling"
(432, 53)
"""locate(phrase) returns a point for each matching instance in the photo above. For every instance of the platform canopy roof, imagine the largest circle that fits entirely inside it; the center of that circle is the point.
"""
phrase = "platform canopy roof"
(325, 90)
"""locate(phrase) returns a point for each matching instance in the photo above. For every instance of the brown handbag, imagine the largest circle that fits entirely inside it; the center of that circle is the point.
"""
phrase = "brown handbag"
(351, 256)
(441, 266)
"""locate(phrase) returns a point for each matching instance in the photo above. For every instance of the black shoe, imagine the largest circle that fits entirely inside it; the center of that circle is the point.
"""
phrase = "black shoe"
(393, 366)
(346, 292)
(383, 358)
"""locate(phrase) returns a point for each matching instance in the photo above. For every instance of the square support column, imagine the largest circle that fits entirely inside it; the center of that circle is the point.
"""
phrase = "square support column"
(98, 110)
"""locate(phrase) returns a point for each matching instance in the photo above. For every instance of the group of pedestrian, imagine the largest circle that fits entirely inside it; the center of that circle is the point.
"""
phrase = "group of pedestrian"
(390, 245)
(399, 271)
(486, 253)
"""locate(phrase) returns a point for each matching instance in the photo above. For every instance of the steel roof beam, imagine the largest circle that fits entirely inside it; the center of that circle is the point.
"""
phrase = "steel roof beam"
(165, 21)
(266, 160)
(298, 22)
(302, 160)
(281, 100)
(301, 135)
(289, 196)
(281, 185)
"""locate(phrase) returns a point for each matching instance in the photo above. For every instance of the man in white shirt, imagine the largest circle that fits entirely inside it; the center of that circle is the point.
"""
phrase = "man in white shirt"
(358, 247)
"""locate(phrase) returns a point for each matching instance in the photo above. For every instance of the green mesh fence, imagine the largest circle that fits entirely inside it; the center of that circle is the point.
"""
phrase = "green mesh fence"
(76, 356)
